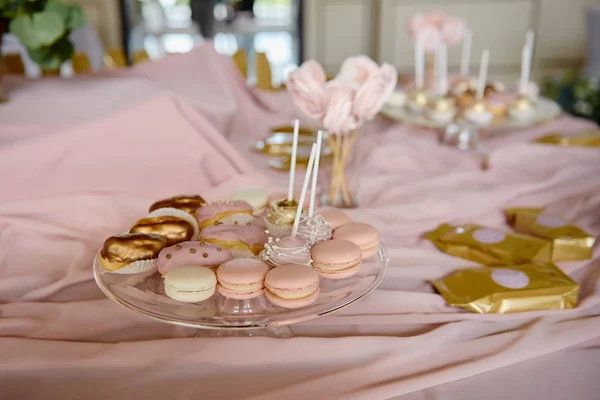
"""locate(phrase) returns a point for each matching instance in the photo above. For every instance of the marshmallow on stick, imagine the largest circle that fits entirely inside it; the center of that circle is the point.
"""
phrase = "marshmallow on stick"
(290, 195)
(313, 187)
(465, 59)
(482, 79)
(309, 168)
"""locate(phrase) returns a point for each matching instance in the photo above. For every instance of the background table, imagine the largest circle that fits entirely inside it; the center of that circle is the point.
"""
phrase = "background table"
(82, 159)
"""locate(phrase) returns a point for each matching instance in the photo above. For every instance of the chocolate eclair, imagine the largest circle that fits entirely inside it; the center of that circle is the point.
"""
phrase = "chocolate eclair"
(185, 203)
(131, 252)
(174, 229)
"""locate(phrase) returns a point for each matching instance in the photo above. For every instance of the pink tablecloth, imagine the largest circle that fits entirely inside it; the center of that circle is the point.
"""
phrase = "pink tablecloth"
(101, 149)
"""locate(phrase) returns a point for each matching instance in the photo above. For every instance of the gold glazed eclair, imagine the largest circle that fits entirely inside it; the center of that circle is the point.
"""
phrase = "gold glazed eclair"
(174, 229)
(131, 252)
(185, 203)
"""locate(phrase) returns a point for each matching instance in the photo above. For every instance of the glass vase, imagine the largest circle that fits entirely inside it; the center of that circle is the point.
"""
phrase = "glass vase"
(340, 189)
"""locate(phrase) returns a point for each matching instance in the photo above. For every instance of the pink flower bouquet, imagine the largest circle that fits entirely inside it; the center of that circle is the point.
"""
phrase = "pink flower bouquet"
(342, 105)
(436, 27)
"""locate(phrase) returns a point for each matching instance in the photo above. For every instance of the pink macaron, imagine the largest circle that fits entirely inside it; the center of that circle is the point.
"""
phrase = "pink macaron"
(242, 278)
(336, 259)
(192, 254)
(292, 286)
(335, 217)
(363, 235)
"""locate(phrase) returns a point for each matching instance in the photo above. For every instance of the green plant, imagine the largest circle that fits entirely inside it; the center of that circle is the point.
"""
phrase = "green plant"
(43, 26)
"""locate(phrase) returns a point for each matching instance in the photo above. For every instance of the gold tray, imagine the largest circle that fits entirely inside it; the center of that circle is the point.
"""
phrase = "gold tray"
(279, 143)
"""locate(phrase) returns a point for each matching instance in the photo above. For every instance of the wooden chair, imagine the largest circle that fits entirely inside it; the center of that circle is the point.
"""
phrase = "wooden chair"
(264, 79)
(140, 57)
(81, 63)
(240, 60)
(14, 64)
(114, 59)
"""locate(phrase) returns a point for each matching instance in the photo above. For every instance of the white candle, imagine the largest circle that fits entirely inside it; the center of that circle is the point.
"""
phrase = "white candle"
(525, 70)
(419, 63)
(483, 69)
(307, 175)
(529, 41)
(293, 160)
(465, 59)
(443, 69)
(313, 187)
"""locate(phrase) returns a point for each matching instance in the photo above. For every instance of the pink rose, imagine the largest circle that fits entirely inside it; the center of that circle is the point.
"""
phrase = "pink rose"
(430, 39)
(436, 19)
(357, 70)
(453, 31)
(419, 21)
(339, 118)
(374, 92)
(306, 85)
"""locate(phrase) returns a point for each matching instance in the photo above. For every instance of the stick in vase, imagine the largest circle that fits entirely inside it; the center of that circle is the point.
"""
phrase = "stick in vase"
(307, 175)
(290, 195)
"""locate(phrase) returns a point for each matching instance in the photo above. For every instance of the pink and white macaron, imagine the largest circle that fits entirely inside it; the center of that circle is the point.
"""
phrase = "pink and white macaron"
(192, 254)
(363, 235)
(336, 259)
(292, 286)
(242, 278)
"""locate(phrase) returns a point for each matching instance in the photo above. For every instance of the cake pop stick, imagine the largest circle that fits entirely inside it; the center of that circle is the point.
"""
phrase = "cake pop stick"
(313, 188)
(483, 69)
(290, 195)
(465, 59)
(529, 37)
(309, 168)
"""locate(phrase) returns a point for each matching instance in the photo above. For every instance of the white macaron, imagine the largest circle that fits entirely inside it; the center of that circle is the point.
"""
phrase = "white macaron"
(190, 284)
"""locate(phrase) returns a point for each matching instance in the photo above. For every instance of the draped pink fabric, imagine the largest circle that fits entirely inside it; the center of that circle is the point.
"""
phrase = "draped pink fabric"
(82, 159)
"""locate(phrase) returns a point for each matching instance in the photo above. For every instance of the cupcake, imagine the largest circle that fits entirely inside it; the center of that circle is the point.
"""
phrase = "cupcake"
(131, 253)
(224, 212)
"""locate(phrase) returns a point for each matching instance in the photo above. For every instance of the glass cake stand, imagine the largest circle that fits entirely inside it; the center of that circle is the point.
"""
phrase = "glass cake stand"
(545, 110)
(219, 316)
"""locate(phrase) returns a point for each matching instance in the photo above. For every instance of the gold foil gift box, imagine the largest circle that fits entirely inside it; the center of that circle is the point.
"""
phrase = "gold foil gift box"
(509, 289)
(585, 139)
(569, 243)
(490, 246)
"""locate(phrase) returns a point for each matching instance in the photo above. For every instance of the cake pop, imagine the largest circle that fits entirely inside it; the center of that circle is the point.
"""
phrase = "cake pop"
(314, 228)
(293, 249)
(281, 213)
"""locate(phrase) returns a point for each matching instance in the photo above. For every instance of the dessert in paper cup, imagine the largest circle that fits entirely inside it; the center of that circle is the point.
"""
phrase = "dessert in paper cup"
(174, 212)
(131, 253)
(224, 212)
